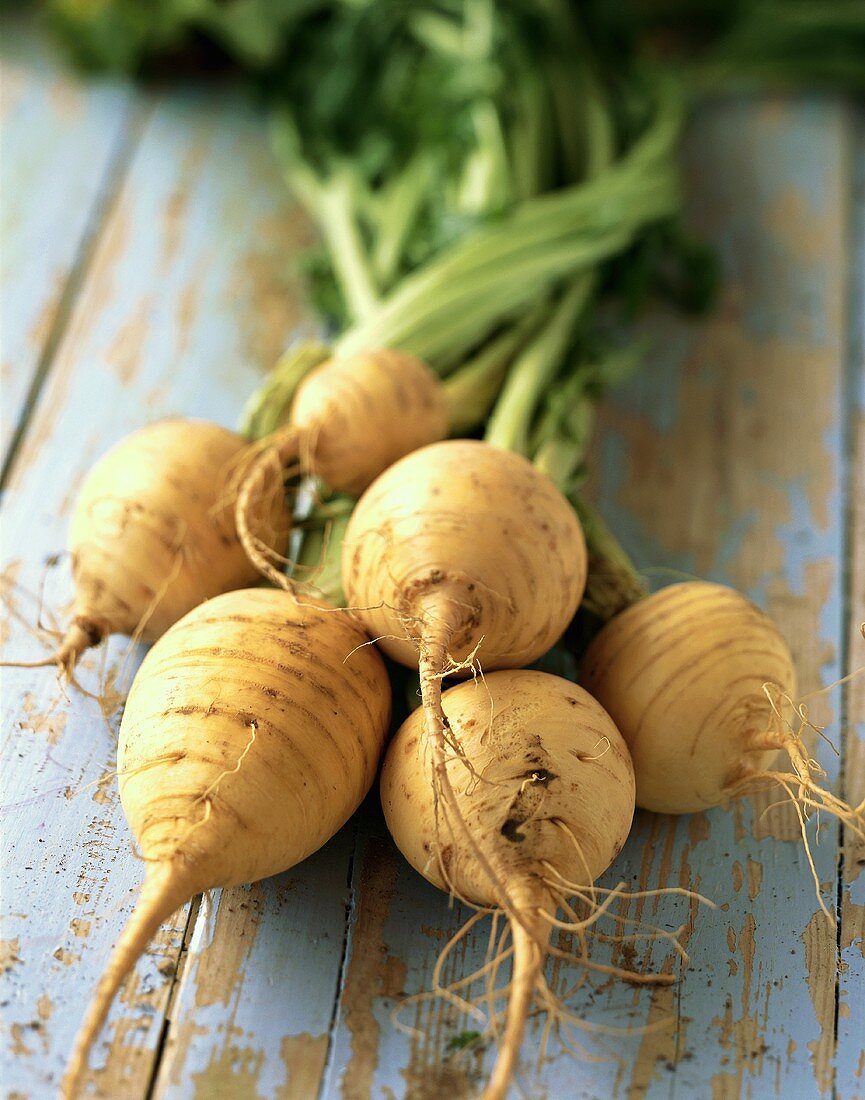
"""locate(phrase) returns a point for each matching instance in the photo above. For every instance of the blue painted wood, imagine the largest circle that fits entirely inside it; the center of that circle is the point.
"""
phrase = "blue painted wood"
(63, 155)
(177, 314)
(253, 1011)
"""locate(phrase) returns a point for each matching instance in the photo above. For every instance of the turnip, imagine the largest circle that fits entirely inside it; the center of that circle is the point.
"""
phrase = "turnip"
(152, 534)
(460, 546)
(702, 686)
(548, 797)
(351, 418)
(462, 556)
(252, 731)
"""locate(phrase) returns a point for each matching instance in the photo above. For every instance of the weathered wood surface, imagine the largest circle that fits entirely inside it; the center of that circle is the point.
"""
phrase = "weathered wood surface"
(173, 315)
(65, 144)
(851, 986)
(734, 458)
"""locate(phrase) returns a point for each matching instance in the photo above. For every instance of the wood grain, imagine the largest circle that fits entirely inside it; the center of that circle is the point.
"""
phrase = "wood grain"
(253, 1011)
(65, 148)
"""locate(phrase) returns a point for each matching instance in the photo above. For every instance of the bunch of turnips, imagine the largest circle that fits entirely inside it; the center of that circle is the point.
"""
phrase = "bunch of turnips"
(496, 191)
(513, 790)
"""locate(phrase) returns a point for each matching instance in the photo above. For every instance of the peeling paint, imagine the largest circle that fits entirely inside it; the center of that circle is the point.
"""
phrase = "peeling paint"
(126, 349)
(276, 300)
(66, 957)
(188, 305)
(668, 1044)
(221, 962)
(10, 954)
(755, 878)
(19, 1047)
(852, 925)
(68, 99)
(185, 1031)
(741, 1036)
(234, 1070)
(176, 210)
(368, 968)
(304, 1057)
(51, 723)
(820, 963)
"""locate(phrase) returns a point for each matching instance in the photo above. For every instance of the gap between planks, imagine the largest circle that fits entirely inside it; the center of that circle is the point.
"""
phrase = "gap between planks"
(176, 978)
(351, 903)
(851, 781)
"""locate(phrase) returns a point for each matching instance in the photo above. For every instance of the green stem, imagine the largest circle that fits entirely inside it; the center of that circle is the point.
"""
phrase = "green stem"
(318, 564)
(600, 135)
(400, 206)
(560, 457)
(624, 195)
(510, 422)
(460, 314)
(613, 582)
(542, 241)
(471, 391)
(335, 217)
(530, 137)
(561, 433)
(330, 203)
(486, 181)
(268, 406)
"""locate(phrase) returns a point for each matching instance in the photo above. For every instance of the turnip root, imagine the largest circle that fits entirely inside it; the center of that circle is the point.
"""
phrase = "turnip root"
(701, 685)
(351, 418)
(152, 534)
(461, 546)
(252, 732)
(462, 555)
(548, 796)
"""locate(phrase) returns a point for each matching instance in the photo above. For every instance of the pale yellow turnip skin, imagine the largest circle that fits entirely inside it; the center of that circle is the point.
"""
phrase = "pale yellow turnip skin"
(514, 725)
(151, 536)
(252, 656)
(357, 415)
(252, 732)
(551, 789)
(351, 418)
(465, 532)
(682, 674)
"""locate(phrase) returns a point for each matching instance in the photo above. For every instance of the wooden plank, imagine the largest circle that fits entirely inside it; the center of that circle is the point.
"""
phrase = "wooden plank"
(186, 298)
(253, 1011)
(64, 145)
(759, 415)
(761, 406)
(851, 1037)
(723, 459)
